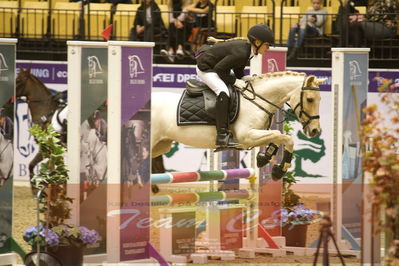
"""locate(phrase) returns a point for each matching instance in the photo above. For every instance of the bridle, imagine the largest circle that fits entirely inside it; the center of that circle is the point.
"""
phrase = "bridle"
(252, 99)
(302, 111)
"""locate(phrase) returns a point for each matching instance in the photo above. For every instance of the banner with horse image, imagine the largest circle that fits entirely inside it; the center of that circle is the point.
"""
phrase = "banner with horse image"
(93, 143)
(136, 84)
(355, 100)
(7, 85)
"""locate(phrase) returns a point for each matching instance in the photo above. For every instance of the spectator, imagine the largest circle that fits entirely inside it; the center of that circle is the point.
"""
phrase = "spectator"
(180, 25)
(310, 25)
(115, 3)
(148, 22)
(203, 19)
(380, 22)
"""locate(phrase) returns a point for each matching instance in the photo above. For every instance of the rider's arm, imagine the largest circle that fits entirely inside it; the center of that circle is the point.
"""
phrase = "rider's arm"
(222, 68)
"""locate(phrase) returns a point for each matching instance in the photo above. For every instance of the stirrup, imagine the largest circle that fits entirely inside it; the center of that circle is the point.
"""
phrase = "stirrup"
(225, 141)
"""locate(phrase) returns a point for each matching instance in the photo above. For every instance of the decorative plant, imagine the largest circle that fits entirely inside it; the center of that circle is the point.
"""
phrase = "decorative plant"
(290, 198)
(293, 211)
(51, 181)
(297, 215)
(61, 235)
(381, 160)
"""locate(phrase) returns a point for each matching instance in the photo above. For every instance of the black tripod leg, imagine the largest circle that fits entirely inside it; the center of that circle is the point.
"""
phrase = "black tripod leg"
(336, 247)
(325, 249)
(318, 249)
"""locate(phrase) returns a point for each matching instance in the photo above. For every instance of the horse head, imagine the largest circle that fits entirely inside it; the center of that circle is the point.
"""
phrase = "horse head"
(305, 102)
(21, 80)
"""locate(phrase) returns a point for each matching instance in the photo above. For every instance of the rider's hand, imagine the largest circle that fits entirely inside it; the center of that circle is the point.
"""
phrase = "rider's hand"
(239, 83)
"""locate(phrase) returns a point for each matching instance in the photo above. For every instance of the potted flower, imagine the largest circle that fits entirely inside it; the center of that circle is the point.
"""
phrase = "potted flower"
(66, 242)
(52, 235)
(294, 217)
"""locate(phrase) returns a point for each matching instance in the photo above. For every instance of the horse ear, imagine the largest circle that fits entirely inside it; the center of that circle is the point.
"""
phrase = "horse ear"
(28, 69)
(320, 81)
(21, 69)
(309, 81)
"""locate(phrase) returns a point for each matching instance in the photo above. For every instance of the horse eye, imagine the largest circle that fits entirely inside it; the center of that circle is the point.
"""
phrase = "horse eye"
(310, 100)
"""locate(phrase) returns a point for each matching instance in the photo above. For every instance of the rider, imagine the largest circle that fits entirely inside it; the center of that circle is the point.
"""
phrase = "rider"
(216, 65)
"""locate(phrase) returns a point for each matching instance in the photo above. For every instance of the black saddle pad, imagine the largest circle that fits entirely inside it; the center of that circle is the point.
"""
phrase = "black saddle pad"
(200, 110)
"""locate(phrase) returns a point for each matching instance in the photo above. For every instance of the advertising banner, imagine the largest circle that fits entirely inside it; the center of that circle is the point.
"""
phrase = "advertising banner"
(230, 237)
(355, 99)
(183, 237)
(93, 143)
(7, 90)
(135, 149)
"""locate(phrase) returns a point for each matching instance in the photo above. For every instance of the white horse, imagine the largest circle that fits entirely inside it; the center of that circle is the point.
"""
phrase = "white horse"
(250, 129)
(6, 159)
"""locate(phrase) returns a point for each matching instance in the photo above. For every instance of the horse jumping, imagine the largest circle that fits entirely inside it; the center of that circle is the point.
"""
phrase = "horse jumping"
(262, 97)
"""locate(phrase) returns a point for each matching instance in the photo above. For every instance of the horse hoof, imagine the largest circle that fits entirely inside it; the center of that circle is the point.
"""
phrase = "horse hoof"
(277, 173)
(262, 159)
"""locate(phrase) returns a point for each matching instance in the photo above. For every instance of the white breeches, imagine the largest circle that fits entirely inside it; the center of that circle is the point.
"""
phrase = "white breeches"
(213, 81)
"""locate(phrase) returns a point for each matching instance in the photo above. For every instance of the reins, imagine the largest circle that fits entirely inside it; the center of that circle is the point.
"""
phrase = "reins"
(287, 114)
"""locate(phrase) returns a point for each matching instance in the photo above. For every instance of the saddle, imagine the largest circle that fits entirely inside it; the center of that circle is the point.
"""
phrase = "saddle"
(197, 105)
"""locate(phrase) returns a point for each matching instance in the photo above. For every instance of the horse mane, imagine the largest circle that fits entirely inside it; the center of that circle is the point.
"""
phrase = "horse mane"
(36, 80)
(274, 75)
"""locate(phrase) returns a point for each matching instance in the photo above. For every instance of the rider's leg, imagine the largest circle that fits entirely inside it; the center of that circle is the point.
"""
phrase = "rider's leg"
(224, 136)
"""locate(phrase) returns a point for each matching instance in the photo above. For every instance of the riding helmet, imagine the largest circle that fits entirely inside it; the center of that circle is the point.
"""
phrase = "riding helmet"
(262, 33)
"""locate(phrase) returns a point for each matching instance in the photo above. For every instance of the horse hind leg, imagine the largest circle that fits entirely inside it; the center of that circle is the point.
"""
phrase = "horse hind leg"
(157, 162)
(161, 147)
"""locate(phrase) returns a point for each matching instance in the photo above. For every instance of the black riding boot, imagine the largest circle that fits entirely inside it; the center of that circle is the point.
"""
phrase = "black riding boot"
(224, 136)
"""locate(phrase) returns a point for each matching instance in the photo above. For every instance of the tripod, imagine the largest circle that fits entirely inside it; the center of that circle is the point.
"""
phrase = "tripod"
(325, 235)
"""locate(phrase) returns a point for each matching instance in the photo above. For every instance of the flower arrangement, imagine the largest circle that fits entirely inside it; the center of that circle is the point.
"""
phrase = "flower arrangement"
(53, 203)
(296, 215)
(293, 212)
(61, 235)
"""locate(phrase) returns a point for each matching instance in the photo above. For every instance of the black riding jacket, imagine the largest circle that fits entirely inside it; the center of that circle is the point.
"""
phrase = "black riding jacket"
(223, 57)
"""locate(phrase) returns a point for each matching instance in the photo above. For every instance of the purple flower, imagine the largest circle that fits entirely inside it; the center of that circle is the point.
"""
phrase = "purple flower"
(88, 236)
(52, 239)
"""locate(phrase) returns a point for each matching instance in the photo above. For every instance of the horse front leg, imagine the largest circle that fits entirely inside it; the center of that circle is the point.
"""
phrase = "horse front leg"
(272, 138)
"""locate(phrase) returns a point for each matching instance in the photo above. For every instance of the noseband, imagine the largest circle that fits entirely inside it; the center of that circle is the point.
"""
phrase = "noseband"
(302, 112)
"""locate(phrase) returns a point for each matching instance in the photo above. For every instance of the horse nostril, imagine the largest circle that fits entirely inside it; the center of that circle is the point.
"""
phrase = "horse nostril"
(315, 132)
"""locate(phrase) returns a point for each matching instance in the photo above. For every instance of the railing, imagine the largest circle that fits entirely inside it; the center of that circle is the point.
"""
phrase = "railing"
(72, 21)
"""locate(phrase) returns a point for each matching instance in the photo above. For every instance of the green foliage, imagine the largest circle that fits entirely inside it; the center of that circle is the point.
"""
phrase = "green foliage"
(290, 198)
(52, 176)
(51, 179)
(53, 170)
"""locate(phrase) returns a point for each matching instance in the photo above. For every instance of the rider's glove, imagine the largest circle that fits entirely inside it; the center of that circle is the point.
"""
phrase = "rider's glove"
(239, 83)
